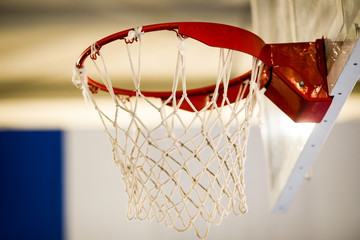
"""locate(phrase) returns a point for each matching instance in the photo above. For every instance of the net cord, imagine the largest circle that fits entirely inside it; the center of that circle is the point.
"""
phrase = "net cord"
(228, 149)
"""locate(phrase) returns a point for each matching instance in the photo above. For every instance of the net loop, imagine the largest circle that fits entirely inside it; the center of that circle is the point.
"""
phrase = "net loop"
(134, 35)
(79, 79)
(94, 51)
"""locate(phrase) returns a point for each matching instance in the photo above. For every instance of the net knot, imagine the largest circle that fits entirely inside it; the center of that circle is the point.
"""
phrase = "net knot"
(181, 46)
(78, 74)
(79, 79)
(134, 35)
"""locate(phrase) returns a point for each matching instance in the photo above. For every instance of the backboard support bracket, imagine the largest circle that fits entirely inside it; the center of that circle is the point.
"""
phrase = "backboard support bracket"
(342, 78)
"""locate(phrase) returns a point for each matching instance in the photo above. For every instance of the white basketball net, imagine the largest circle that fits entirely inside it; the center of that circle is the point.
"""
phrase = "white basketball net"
(186, 169)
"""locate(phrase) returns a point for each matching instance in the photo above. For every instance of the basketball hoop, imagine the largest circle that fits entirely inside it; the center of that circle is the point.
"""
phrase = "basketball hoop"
(186, 167)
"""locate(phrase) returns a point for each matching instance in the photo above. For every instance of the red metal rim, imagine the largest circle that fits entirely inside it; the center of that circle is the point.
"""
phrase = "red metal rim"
(211, 34)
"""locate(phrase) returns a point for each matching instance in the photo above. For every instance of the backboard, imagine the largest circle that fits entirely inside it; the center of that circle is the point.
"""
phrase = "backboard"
(292, 147)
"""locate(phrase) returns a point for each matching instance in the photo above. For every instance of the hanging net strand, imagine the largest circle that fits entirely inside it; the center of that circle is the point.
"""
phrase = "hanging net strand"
(186, 169)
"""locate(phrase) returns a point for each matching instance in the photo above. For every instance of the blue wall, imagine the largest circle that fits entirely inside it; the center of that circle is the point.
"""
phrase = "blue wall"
(31, 185)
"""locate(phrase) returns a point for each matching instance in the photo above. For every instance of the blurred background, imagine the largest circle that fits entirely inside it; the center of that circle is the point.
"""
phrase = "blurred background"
(41, 41)
(57, 177)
